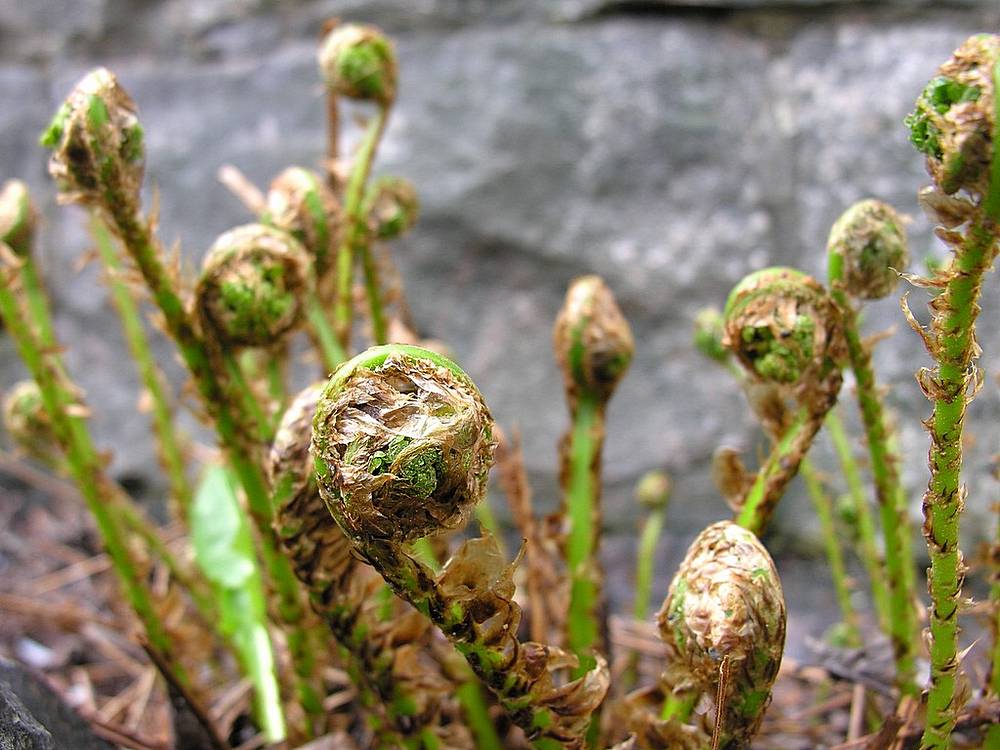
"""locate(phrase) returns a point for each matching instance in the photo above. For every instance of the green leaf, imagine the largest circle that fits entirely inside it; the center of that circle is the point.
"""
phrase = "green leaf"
(224, 550)
(222, 542)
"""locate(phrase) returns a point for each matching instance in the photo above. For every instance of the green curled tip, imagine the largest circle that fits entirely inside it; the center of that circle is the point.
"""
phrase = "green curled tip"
(592, 340)
(653, 490)
(97, 142)
(18, 219)
(251, 287)
(867, 250)
(359, 62)
(954, 119)
(783, 326)
(403, 443)
(393, 207)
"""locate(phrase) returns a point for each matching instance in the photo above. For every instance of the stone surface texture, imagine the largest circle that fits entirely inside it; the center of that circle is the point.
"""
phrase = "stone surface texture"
(33, 717)
(671, 147)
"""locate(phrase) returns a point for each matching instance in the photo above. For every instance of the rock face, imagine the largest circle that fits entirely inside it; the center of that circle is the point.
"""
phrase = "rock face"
(32, 717)
(671, 147)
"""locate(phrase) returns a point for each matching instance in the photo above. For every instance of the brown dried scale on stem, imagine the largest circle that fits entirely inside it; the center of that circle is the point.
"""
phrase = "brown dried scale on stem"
(403, 444)
(300, 203)
(388, 658)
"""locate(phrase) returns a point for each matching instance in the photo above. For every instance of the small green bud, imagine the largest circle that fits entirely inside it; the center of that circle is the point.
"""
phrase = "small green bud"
(403, 443)
(783, 326)
(18, 218)
(300, 203)
(867, 245)
(96, 141)
(592, 339)
(28, 424)
(393, 207)
(953, 121)
(653, 490)
(251, 287)
(359, 62)
(726, 604)
(708, 334)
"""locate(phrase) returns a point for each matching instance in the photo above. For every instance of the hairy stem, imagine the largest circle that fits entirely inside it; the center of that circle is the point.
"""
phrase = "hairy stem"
(953, 327)
(170, 450)
(356, 236)
(778, 470)
(325, 338)
(899, 616)
(84, 463)
(233, 426)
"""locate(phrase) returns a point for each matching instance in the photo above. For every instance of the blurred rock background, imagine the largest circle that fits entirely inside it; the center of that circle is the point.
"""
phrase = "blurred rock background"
(670, 146)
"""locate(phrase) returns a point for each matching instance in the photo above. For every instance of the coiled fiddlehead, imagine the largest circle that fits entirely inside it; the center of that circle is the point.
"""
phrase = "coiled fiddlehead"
(785, 329)
(403, 442)
(389, 664)
(723, 624)
(593, 346)
(300, 203)
(97, 142)
(359, 62)
(251, 286)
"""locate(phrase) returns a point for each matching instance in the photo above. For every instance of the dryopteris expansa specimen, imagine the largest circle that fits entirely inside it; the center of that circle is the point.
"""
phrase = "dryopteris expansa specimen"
(784, 329)
(403, 445)
(418, 712)
(955, 126)
(593, 346)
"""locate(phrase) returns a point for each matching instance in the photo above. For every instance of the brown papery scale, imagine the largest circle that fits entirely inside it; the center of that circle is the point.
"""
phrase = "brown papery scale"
(725, 615)
(251, 287)
(300, 203)
(408, 445)
(592, 340)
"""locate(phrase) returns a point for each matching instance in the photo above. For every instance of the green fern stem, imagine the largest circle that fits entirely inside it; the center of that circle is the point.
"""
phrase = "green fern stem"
(778, 470)
(953, 329)
(871, 558)
(899, 575)
(330, 350)
(169, 444)
(581, 484)
(221, 403)
(834, 555)
(355, 242)
(84, 464)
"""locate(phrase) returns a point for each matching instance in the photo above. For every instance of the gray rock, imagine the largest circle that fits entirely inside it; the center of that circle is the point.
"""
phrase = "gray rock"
(19, 730)
(33, 717)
